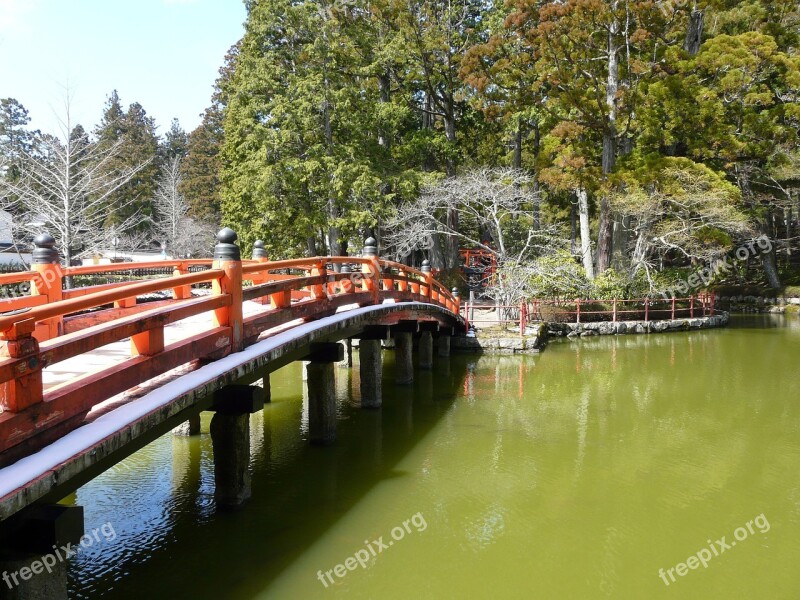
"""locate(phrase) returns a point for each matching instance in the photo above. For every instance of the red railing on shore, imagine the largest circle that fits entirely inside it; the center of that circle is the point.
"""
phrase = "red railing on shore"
(645, 309)
(54, 324)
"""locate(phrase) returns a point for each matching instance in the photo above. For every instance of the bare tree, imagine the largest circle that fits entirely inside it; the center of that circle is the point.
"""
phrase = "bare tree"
(495, 212)
(64, 187)
(183, 235)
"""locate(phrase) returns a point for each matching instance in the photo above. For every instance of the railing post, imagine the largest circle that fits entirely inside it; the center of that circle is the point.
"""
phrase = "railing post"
(427, 291)
(260, 256)
(24, 390)
(578, 310)
(182, 291)
(691, 306)
(673, 308)
(522, 324)
(228, 258)
(614, 310)
(259, 253)
(319, 290)
(371, 270)
(713, 302)
(646, 310)
(48, 283)
(466, 316)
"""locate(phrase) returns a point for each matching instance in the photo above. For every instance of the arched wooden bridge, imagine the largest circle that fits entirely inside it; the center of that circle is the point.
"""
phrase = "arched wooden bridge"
(91, 374)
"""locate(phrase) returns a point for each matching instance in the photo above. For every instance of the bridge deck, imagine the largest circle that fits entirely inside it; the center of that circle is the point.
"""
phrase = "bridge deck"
(120, 351)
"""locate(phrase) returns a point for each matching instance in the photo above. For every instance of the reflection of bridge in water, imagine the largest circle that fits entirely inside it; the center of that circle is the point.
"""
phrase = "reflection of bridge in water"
(90, 375)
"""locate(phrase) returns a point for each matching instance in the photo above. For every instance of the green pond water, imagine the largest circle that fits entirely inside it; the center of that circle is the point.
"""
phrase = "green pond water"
(578, 473)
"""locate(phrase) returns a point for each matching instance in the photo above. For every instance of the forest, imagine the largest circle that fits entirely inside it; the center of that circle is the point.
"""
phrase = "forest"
(593, 147)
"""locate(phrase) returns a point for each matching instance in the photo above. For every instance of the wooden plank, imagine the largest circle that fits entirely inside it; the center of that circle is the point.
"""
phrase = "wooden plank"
(81, 394)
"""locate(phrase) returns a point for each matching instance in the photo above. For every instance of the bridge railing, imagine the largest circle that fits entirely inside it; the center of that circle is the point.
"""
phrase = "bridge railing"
(58, 324)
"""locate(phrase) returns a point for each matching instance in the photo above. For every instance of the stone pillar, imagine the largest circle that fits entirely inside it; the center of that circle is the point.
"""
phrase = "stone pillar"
(30, 567)
(32, 576)
(371, 371)
(267, 386)
(347, 363)
(443, 345)
(230, 436)
(426, 350)
(404, 362)
(321, 384)
(188, 427)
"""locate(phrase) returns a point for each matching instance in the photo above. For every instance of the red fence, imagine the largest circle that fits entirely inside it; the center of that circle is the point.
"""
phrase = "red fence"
(579, 310)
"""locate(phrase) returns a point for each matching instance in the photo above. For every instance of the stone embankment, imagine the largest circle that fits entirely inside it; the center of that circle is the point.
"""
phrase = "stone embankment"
(572, 330)
(759, 304)
(491, 341)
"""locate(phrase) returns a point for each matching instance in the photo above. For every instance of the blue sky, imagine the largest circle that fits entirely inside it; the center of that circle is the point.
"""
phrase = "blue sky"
(163, 54)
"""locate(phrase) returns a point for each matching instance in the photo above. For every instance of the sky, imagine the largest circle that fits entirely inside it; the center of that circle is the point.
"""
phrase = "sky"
(163, 54)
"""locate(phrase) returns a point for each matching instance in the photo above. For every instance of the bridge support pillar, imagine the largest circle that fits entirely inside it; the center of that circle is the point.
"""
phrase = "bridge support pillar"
(321, 382)
(404, 361)
(443, 346)
(371, 371)
(347, 363)
(426, 350)
(321, 386)
(30, 567)
(230, 437)
(189, 427)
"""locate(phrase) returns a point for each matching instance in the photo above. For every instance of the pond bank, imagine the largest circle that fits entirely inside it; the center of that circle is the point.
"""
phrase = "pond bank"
(535, 339)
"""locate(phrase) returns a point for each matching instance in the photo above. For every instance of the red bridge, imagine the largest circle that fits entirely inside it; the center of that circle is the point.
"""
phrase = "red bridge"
(91, 374)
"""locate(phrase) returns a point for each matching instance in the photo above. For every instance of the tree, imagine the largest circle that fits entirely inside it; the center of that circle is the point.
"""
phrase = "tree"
(64, 187)
(297, 165)
(183, 235)
(15, 139)
(495, 209)
(176, 143)
(200, 169)
(684, 208)
(137, 134)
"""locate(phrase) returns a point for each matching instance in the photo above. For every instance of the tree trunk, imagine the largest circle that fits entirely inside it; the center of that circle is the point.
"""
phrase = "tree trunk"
(620, 244)
(768, 258)
(537, 144)
(573, 227)
(605, 231)
(694, 34)
(451, 242)
(586, 240)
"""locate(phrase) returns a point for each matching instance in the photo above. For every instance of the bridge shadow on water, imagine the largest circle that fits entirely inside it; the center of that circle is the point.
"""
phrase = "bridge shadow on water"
(172, 543)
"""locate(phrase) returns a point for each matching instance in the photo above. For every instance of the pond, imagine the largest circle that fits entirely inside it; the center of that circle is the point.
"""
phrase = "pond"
(661, 466)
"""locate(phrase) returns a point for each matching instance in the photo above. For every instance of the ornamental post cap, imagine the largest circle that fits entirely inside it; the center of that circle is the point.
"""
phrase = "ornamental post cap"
(44, 240)
(370, 247)
(456, 293)
(226, 248)
(426, 266)
(226, 235)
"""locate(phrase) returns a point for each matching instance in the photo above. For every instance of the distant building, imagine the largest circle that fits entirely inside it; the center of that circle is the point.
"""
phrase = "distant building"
(9, 254)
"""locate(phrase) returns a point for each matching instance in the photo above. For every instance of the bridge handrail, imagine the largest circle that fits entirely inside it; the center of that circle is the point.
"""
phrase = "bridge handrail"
(38, 336)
